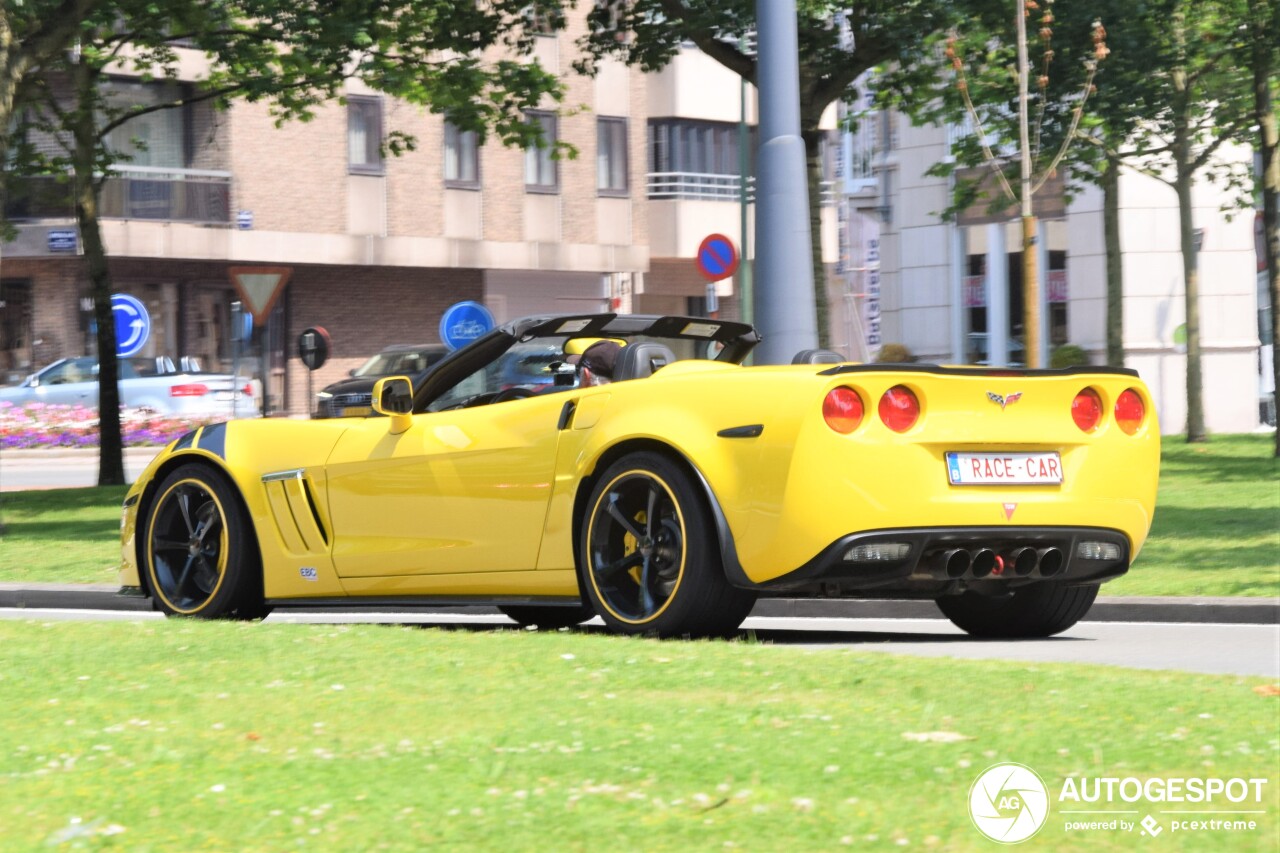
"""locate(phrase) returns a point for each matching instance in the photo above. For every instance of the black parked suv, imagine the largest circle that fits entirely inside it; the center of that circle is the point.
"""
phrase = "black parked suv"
(353, 397)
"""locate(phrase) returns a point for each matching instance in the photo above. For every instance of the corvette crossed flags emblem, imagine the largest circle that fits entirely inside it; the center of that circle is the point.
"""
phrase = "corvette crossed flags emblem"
(1002, 400)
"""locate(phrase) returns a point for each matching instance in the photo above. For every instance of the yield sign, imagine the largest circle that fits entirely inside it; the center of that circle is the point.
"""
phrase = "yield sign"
(260, 287)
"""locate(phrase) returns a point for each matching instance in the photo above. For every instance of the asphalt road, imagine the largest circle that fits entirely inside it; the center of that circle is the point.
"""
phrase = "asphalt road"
(1209, 648)
(53, 469)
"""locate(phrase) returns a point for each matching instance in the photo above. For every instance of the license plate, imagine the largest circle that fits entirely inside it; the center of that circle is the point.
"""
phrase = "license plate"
(357, 411)
(1000, 469)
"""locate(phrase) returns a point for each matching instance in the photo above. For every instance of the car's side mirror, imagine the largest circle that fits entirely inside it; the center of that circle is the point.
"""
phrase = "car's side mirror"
(393, 397)
(351, 372)
(32, 381)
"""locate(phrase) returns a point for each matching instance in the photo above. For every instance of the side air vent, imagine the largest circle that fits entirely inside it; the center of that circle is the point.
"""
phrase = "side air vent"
(295, 512)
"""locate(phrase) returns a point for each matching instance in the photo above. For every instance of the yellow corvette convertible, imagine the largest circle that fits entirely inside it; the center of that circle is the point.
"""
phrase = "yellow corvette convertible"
(669, 499)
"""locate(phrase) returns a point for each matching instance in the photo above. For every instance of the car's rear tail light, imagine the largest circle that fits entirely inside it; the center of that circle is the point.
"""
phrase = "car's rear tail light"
(899, 408)
(247, 389)
(878, 552)
(842, 410)
(191, 389)
(1098, 551)
(1130, 411)
(1086, 410)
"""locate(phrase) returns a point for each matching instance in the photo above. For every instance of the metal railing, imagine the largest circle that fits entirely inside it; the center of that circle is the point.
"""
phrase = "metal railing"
(699, 186)
(132, 192)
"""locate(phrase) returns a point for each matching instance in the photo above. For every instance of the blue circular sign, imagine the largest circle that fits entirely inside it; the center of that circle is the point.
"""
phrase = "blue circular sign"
(133, 324)
(463, 322)
(717, 257)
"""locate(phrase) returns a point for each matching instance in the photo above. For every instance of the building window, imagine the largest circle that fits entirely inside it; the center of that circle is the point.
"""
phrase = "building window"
(540, 172)
(541, 20)
(696, 159)
(364, 135)
(611, 156)
(461, 157)
(157, 138)
(703, 147)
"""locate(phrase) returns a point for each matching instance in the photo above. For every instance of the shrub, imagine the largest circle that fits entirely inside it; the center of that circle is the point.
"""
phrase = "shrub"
(1069, 355)
(894, 354)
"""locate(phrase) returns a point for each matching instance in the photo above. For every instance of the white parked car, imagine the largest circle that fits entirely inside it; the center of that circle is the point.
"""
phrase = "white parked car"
(154, 384)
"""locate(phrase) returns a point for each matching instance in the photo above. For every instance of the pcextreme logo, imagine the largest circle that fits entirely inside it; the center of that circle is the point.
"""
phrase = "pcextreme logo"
(1009, 803)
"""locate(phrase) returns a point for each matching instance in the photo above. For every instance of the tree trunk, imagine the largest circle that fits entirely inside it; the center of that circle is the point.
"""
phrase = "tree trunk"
(1115, 264)
(1030, 292)
(813, 163)
(111, 447)
(1191, 282)
(1182, 156)
(1268, 143)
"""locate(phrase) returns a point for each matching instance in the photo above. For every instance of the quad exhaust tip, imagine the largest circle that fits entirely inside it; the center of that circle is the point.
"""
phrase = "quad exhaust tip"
(1050, 561)
(984, 562)
(1023, 560)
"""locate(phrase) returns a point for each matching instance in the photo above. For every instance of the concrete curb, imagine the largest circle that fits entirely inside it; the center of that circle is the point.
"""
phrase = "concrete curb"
(1241, 611)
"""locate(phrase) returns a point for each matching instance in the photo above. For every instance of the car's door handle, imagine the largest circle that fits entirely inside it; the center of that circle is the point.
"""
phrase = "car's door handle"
(566, 414)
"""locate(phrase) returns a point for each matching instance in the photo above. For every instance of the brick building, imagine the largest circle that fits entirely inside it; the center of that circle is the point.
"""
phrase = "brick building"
(376, 247)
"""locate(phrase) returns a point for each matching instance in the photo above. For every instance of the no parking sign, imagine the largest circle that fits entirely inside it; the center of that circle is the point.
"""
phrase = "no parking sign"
(717, 257)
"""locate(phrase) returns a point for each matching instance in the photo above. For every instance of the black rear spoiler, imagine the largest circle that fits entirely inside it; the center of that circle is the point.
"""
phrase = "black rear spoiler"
(977, 370)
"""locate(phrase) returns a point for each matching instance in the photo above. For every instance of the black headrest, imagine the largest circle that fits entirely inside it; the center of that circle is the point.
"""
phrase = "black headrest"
(640, 359)
(818, 356)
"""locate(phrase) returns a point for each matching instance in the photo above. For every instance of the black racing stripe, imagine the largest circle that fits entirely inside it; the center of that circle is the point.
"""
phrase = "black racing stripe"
(187, 441)
(214, 439)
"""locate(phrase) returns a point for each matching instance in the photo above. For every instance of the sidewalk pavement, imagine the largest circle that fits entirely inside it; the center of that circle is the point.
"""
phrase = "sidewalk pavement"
(1242, 610)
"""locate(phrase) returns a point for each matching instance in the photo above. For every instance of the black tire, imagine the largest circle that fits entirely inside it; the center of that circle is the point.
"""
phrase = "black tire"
(649, 559)
(198, 550)
(548, 618)
(1040, 610)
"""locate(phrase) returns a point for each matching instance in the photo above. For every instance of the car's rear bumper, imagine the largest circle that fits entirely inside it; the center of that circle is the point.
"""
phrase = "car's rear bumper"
(941, 560)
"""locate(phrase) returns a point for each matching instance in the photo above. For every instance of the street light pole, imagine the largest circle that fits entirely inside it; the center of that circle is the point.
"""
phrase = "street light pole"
(745, 295)
(784, 301)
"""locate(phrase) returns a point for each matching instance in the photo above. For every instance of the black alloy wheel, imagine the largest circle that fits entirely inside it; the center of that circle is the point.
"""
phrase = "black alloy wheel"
(650, 558)
(198, 556)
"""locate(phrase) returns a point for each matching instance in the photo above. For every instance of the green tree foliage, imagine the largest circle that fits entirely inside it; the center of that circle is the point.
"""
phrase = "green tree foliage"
(32, 32)
(468, 61)
(1202, 102)
(1173, 92)
(838, 41)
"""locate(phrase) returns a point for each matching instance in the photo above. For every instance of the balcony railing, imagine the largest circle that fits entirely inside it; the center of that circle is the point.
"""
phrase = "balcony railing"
(698, 186)
(132, 192)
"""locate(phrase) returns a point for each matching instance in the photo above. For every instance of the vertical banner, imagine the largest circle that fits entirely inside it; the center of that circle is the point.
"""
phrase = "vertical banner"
(858, 267)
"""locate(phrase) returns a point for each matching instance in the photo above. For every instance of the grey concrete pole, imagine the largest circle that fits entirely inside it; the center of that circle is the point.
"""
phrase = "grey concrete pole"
(784, 309)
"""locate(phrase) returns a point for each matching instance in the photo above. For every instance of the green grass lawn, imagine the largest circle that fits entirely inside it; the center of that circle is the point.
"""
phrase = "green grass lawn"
(184, 735)
(1217, 523)
(61, 535)
(1216, 530)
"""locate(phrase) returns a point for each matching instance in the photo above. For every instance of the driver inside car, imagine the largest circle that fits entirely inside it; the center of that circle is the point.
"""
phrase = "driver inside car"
(595, 367)
(577, 369)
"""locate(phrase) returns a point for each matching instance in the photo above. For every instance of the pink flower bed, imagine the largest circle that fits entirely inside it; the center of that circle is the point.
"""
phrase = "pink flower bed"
(36, 425)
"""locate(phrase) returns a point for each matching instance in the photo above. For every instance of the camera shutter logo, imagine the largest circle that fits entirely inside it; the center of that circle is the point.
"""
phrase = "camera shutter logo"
(1009, 803)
